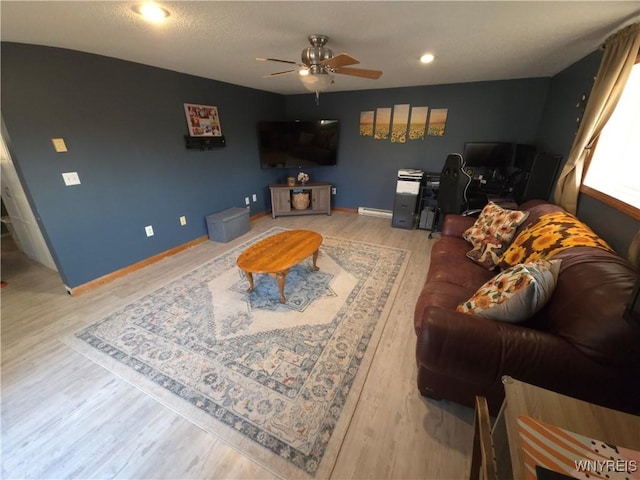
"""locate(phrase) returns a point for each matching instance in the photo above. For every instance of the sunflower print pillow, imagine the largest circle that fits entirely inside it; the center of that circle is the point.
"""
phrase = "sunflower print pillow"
(496, 222)
(491, 233)
(515, 294)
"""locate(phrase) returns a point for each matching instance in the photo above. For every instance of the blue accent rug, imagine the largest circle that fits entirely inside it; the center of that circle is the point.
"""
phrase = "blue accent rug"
(279, 382)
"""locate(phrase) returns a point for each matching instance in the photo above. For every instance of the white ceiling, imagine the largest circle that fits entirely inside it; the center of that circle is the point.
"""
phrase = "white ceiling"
(472, 40)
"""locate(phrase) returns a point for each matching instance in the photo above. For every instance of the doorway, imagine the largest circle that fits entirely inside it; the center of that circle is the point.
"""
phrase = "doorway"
(20, 220)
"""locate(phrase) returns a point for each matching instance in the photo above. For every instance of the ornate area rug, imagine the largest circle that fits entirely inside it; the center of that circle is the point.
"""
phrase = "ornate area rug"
(278, 382)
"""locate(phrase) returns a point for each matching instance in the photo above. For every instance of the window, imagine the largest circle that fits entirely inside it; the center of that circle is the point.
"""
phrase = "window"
(615, 161)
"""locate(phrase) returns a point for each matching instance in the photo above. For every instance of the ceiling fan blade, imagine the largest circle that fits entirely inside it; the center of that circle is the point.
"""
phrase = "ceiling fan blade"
(360, 72)
(275, 60)
(339, 60)
(278, 73)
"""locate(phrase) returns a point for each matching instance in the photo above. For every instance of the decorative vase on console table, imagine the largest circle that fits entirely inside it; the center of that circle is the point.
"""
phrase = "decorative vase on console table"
(303, 178)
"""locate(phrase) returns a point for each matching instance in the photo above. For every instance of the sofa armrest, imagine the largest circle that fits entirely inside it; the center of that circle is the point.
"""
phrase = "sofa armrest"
(448, 343)
(455, 225)
(479, 351)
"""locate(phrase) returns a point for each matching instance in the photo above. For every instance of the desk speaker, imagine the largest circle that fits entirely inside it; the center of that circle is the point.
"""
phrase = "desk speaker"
(538, 181)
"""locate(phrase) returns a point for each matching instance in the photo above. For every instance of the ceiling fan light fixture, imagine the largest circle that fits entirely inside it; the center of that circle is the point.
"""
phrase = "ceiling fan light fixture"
(319, 64)
(316, 82)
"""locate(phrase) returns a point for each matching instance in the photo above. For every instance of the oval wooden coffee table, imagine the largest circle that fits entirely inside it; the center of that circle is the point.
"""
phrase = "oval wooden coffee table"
(275, 255)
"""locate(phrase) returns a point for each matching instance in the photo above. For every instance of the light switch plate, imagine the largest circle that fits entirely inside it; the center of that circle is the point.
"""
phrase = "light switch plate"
(59, 145)
(71, 178)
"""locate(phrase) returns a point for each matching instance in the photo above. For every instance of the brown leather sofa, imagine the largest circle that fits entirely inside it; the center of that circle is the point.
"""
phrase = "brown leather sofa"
(578, 344)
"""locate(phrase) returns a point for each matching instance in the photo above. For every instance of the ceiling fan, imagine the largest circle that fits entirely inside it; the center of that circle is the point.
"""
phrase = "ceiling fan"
(319, 64)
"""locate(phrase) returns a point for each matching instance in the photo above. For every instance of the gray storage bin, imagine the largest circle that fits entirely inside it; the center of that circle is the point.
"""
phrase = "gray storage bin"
(229, 224)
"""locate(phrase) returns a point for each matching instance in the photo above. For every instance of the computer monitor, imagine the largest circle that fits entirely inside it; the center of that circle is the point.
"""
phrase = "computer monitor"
(490, 155)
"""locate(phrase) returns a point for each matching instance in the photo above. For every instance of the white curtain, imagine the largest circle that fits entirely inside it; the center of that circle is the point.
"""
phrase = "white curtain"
(620, 53)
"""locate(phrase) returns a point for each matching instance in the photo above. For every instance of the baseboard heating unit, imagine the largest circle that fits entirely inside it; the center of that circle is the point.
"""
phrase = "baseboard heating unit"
(375, 212)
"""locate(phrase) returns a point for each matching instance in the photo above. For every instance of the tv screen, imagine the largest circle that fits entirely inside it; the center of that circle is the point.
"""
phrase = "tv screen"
(491, 155)
(298, 144)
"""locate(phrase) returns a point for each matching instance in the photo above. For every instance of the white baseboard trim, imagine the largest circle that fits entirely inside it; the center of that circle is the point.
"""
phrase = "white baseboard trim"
(375, 212)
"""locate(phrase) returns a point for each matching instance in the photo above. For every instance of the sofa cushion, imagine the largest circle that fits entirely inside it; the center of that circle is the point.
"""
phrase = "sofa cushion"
(515, 294)
(452, 277)
(551, 234)
(449, 264)
(492, 232)
(586, 309)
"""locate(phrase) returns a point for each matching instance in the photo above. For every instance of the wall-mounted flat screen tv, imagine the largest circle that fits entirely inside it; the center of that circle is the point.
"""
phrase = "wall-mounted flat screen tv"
(491, 155)
(298, 144)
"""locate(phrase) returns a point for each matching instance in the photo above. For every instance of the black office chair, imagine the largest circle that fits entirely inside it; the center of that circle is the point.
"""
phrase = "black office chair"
(454, 181)
(454, 195)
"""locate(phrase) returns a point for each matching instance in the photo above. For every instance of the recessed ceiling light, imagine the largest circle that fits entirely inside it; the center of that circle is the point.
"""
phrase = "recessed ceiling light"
(152, 12)
(427, 58)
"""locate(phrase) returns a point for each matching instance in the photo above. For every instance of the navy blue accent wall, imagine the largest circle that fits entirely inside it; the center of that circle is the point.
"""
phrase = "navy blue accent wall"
(366, 173)
(557, 130)
(558, 125)
(124, 126)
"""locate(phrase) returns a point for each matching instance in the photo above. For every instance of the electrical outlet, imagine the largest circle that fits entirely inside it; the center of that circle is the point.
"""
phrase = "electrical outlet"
(149, 230)
(183, 220)
(333, 191)
(255, 198)
(246, 201)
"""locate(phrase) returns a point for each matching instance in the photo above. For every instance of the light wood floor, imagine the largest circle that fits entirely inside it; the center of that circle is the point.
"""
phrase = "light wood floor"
(64, 416)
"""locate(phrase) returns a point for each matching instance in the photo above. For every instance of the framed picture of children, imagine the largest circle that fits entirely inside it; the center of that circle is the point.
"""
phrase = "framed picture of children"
(202, 120)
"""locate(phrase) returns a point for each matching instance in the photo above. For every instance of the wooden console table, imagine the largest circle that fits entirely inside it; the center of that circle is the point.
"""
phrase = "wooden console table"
(319, 193)
(521, 399)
